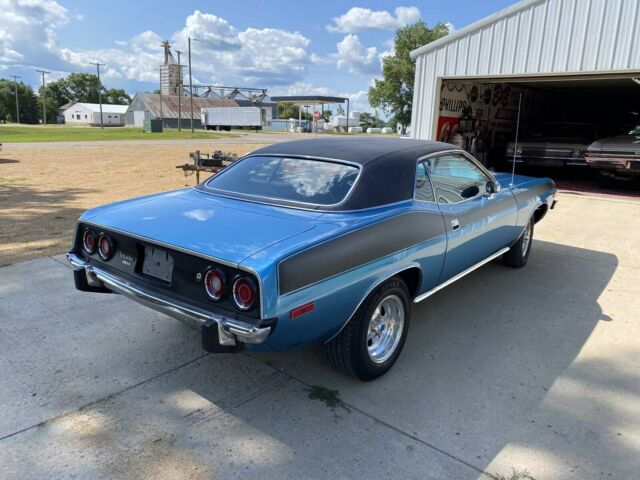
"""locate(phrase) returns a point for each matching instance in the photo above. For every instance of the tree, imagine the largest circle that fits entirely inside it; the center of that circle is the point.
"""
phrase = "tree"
(394, 93)
(290, 110)
(393, 123)
(26, 99)
(116, 96)
(368, 120)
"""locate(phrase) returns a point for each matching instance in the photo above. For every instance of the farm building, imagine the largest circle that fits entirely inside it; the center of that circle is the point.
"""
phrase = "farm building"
(77, 113)
(154, 106)
(534, 63)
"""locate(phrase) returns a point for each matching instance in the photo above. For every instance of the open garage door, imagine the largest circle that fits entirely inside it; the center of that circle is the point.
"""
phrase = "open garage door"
(480, 114)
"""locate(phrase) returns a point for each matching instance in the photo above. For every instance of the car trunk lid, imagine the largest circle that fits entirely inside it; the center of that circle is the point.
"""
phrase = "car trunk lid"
(206, 224)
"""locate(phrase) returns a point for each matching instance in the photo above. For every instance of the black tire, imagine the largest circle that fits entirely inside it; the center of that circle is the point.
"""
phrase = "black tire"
(348, 352)
(518, 255)
(605, 181)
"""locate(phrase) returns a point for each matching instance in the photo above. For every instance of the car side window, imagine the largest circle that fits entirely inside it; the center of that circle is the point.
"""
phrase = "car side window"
(456, 178)
(423, 190)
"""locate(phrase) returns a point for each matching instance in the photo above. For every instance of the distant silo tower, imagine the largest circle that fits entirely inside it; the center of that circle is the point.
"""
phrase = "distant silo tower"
(170, 73)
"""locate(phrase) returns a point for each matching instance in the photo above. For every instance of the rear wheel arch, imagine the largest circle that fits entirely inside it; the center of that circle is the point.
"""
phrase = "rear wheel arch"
(411, 276)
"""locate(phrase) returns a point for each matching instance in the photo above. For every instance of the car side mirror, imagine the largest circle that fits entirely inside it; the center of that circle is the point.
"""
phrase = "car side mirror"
(493, 187)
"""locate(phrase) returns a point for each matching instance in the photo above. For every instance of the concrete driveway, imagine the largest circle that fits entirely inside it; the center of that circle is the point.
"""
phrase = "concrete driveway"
(535, 370)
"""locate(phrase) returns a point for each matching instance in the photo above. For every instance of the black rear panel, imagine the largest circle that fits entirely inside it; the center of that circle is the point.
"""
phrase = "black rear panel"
(185, 285)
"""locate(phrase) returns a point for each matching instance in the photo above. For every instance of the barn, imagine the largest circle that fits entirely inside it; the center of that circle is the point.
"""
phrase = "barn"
(533, 63)
(145, 106)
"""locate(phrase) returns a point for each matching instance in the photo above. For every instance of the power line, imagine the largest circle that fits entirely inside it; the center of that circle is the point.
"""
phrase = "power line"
(98, 65)
(44, 96)
(15, 81)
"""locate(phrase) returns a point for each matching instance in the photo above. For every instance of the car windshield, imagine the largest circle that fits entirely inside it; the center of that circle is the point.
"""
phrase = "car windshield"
(309, 181)
(562, 131)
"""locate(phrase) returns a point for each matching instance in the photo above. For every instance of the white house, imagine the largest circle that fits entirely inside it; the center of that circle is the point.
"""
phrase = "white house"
(89, 114)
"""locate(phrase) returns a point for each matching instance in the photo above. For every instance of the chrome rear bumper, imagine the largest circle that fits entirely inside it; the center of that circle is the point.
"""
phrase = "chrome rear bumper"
(229, 329)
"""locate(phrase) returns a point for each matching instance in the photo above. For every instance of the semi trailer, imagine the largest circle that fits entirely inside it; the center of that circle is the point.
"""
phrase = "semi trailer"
(226, 118)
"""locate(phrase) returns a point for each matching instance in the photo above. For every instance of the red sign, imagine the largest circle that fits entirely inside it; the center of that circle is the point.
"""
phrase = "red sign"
(316, 115)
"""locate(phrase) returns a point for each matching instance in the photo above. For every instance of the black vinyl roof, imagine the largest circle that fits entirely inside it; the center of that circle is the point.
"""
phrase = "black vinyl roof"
(388, 165)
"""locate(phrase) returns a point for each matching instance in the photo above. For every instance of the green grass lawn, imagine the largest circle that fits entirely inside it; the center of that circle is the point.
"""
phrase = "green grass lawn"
(62, 133)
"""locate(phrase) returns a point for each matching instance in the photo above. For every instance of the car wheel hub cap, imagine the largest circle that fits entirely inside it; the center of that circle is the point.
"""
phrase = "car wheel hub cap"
(526, 239)
(385, 329)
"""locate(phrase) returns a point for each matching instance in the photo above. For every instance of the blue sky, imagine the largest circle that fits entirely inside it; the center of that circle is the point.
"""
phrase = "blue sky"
(289, 47)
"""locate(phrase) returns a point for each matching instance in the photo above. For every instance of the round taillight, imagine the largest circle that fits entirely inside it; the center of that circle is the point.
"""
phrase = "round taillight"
(244, 293)
(214, 283)
(89, 242)
(105, 247)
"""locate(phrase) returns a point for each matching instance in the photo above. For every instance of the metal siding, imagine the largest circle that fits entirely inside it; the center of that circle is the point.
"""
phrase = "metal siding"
(535, 37)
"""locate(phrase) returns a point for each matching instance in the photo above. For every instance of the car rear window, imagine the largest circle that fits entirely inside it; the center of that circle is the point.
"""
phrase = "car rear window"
(309, 181)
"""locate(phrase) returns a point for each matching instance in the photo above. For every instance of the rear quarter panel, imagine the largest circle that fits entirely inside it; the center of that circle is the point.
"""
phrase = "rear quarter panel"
(339, 294)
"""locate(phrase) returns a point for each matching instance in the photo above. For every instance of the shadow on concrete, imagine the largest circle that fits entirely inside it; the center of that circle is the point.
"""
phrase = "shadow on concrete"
(8, 160)
(482, 356)
(474, 378)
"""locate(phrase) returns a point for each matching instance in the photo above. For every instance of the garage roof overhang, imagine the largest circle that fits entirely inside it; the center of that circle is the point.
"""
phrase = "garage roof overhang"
(309, 99)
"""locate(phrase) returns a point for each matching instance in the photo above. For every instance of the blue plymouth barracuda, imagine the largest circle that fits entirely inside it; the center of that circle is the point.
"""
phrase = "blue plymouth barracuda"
(323, 241)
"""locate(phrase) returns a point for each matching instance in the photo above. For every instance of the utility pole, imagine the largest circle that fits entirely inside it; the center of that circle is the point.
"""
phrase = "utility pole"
(44, 108)
(179, 90)
(98, 64)
(190, 85)
(15, 81)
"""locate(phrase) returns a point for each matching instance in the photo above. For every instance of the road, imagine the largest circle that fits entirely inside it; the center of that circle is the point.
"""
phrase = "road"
(535, 369)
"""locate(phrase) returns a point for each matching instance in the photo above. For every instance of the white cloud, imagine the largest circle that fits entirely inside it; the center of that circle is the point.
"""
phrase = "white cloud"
(355, 57)
(267, 57)
(450, 26)
(359, 19)
(136, 59)
(221, 53)
(303, 88)
(27, 32)
(211, 31)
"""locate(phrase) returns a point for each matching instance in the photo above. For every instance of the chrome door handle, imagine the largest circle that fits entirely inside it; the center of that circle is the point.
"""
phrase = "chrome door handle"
(455, 224)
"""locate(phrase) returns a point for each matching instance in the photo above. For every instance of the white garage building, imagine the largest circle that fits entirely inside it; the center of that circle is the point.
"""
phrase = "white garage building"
(575, 60)
(89, 114)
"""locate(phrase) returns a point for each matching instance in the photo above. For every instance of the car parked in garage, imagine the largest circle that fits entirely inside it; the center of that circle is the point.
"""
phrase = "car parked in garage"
(617, 157)
(553, 144)
(324, 241)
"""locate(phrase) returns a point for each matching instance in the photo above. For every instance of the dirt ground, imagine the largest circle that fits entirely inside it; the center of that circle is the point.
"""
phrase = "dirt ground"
(44, 190)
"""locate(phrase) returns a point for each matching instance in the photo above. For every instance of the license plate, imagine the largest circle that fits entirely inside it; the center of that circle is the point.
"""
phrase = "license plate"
(157, 263)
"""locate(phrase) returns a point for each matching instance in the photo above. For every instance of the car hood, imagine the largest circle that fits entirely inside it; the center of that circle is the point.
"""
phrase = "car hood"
(224, 228)
(626, 143)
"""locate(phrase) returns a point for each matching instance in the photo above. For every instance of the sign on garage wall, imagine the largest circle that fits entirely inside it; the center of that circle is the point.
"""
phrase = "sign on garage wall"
(495, 106)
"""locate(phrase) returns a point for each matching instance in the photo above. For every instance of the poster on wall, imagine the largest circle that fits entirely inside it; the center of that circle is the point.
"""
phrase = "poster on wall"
(492, 107)
(456, 101)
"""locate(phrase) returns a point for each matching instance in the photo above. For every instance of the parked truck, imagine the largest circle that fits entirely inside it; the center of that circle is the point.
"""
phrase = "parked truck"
(226, 118)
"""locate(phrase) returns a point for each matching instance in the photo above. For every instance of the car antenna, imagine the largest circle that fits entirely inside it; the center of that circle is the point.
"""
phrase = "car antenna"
(515, 146)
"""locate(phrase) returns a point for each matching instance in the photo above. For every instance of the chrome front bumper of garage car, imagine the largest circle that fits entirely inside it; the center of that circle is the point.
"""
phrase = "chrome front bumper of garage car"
(228, 329)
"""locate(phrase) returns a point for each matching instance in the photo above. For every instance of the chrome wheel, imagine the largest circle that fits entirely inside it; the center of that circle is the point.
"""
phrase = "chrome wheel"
(385, 329)
(526, 240)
